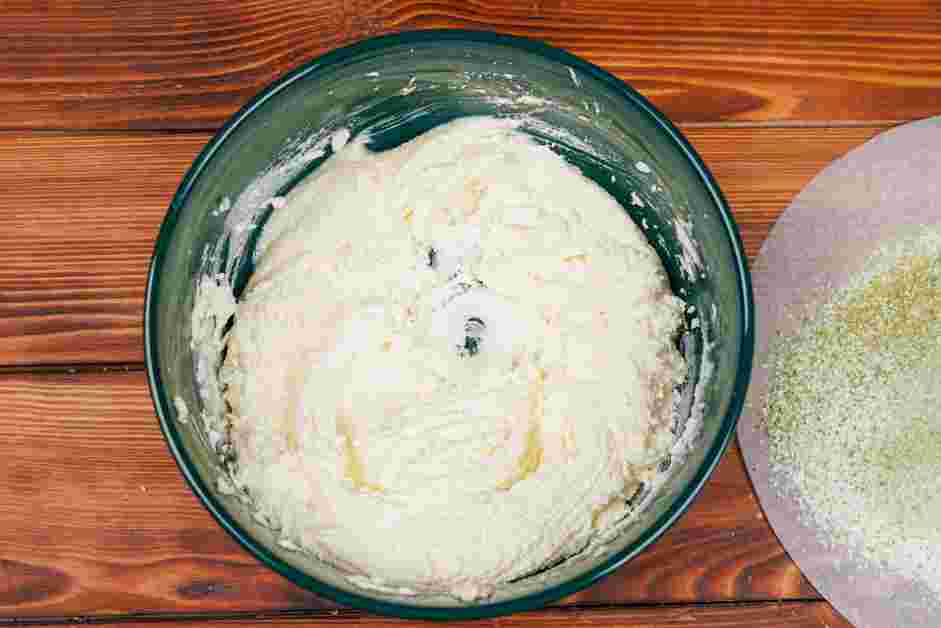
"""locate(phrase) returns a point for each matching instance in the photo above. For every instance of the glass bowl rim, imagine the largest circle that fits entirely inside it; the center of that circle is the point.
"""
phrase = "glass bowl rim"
(163, 406)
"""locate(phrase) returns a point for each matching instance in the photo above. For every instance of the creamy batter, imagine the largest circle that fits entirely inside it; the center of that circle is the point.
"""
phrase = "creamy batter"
(454, 363)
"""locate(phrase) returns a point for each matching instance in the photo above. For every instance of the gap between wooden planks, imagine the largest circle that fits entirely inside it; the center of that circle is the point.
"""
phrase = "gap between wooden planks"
(81, 212)
(98, 520)
(755, 615)
(176, 64)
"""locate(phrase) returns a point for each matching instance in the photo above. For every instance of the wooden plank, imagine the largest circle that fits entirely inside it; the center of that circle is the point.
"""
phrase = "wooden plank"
(755, 615)
(78, 222)
(175, 64)
(97, 520)
(80, 214)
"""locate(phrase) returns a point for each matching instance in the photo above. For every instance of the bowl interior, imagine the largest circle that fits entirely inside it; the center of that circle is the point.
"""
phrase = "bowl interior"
(396, 88)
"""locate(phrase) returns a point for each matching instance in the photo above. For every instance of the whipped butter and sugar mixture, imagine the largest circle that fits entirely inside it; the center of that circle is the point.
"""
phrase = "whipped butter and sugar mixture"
(454, 363)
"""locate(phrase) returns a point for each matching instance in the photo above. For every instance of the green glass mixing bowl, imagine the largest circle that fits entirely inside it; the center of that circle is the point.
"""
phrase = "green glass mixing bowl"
(399, 86)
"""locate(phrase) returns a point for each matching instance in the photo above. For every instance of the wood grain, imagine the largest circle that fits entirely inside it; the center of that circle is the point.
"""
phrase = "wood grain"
(97, 520)
(81, 212)
(174, 64)
(757, 615)
(77, 227)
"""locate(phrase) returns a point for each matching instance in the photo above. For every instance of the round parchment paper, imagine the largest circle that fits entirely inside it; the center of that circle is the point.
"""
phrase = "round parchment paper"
(888, 188)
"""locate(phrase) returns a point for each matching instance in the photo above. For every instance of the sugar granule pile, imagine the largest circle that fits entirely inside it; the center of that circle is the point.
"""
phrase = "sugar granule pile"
(853, 412)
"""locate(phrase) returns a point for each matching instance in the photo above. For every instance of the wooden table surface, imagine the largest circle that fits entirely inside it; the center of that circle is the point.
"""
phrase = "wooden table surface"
(103, 103)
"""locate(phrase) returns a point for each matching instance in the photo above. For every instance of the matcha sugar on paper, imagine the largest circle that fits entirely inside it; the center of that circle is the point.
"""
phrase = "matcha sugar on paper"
(841, 435)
